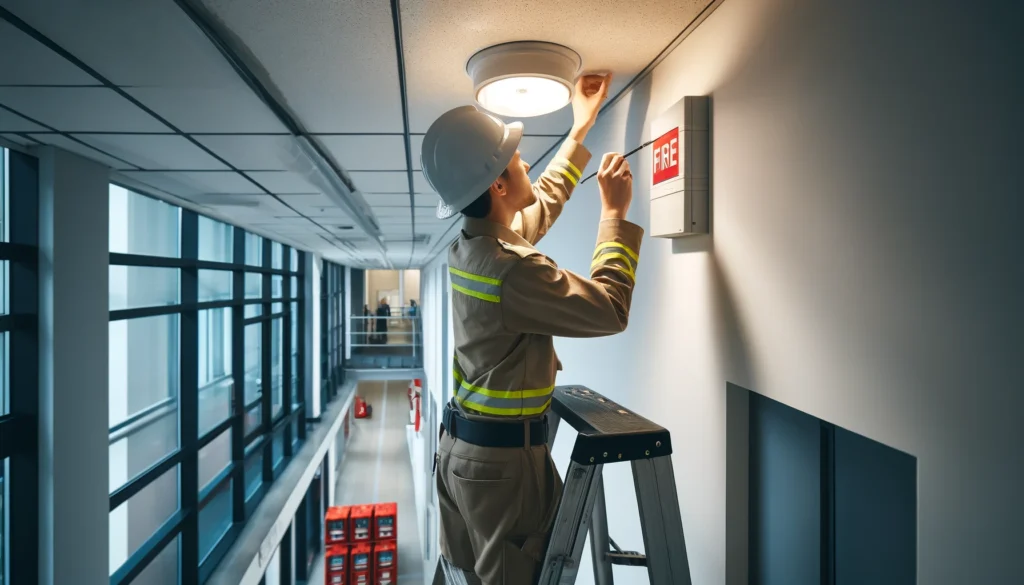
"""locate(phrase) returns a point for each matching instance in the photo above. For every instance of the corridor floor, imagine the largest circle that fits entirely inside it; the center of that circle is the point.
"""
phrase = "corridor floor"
(377, 468)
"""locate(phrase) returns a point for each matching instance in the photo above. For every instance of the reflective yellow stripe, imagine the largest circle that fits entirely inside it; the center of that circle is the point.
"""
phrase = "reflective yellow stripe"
(571, 166)
(567, 174)
(507, 394)
(632, 254)
(476, 277)
(628, 268)
(503, 411)
(479, 295)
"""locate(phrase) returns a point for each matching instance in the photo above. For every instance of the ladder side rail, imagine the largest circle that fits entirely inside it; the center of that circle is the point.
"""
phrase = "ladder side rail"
(562, 560)
(661, 521)
(599, 538)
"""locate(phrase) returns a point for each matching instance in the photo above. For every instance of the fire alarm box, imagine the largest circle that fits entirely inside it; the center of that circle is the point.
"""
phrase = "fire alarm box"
(336, 565)
(385, 563)
(385, 519)
(361, 565)
(336, 524)
(360, 520)
(681, 173)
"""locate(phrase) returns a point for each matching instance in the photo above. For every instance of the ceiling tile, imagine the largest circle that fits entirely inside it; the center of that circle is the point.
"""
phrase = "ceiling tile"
(138, 44)
(377, 200)
(190, 184)
(17, 139)
(369, 153)
(255, 153)
(334, 62)
(312, 200)
(61, 141)
(80, 109)
(283, 182)
(11, 122)
(36, 64)
(210, 109)
(382, 182)
(157, 152)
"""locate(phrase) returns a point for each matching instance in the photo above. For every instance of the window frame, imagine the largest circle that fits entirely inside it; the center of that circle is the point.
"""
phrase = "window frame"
(195, 316)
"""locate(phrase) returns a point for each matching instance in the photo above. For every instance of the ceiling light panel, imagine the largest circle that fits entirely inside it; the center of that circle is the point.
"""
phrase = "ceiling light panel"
(80, 109)
(524, 78)
(333, 63)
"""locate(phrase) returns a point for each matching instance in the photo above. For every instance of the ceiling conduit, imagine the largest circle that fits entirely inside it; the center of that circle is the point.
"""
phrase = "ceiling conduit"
(305, 155)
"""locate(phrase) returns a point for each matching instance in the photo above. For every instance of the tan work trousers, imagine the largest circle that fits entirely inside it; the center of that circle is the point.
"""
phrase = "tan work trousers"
(498, 506)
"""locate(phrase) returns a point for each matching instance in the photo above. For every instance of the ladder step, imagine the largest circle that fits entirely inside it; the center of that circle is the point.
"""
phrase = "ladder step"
(608, 432)
(629, 559)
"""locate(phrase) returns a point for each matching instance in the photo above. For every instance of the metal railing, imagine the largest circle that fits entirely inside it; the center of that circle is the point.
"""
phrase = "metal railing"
(386, 331)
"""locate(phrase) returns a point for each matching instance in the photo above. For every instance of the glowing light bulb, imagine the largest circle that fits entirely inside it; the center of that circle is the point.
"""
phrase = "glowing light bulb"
(523, 97)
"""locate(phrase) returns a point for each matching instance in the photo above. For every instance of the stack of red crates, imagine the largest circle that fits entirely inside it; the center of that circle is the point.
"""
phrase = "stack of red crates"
(361, 545)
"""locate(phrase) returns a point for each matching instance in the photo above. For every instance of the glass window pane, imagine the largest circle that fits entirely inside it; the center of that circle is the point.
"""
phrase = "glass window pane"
(253, 250)
(277, 286)
(253, 286)
(253, 310)
(132, 287)
(253, 419)
(137, 452)
(253, 361)
(214, 404)
(294, 260)
(296, 423)
(216, 240)
(276, 308)
(295, 287)
(276, 366)
(214, 458)
(276, 251)
(278, 447)
(164, 568)
(215, 285)
(215, 520)
(143, 225)
(136, 520)
(143, 364)
(253, 472)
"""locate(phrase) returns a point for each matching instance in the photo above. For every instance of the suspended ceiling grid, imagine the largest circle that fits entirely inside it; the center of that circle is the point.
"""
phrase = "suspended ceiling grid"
(141, 87)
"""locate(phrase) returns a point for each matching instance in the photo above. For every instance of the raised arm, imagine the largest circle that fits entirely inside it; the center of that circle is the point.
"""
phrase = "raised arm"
(563, 173)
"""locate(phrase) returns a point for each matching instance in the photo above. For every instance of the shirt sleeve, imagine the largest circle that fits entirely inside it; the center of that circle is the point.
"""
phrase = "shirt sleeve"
(553, 189)
(538, 297)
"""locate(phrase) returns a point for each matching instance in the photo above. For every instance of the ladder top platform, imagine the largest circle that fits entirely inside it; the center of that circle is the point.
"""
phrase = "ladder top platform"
(608, 432)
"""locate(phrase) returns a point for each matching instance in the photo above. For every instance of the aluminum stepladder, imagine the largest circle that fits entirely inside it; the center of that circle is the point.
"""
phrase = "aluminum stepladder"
(609, 433)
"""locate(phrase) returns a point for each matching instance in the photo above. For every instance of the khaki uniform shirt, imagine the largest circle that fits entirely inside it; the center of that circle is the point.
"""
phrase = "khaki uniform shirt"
(509, 300)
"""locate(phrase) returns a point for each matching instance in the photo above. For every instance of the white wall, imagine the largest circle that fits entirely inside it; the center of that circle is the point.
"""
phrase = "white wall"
(864, 266)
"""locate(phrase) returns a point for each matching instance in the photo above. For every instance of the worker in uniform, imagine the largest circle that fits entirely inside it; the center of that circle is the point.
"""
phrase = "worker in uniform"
(497, 484)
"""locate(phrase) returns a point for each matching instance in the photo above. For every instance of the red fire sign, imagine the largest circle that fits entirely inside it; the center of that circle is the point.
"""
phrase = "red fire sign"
(666, 156)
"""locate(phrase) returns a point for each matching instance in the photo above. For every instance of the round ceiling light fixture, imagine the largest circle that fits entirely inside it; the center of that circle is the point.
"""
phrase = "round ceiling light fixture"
(523, 79)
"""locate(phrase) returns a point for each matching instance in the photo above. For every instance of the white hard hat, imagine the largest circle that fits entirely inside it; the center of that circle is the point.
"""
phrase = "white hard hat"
(464, 151)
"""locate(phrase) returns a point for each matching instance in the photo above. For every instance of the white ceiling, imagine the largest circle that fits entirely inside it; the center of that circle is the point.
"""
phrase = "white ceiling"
(138, 86)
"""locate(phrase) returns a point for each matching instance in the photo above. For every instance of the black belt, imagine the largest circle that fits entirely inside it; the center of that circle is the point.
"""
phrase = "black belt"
(493, 434)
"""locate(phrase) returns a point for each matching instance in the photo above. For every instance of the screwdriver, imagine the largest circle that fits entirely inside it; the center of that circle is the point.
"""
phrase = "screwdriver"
(627, 155)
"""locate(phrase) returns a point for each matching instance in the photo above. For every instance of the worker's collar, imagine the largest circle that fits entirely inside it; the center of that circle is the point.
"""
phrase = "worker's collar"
(484, 227)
